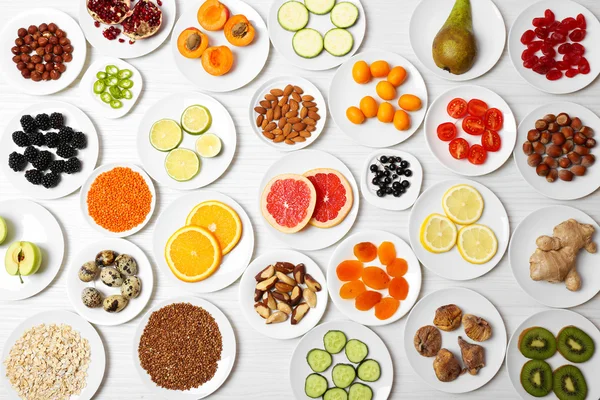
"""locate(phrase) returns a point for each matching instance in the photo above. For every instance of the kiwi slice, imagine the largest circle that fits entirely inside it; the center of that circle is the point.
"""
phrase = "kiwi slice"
(569, 383)
(536, 378)
(537, 343)
(575, 345)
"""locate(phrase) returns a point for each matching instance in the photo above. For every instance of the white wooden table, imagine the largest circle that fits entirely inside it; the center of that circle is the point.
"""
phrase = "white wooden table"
(261, 370)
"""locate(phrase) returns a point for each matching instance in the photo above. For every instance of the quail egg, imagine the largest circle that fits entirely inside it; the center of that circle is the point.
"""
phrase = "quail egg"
(131, 287)
(114, 303)
(88, 271)
(105, 257)
(111, 277)
(91, 297)
(126, 264)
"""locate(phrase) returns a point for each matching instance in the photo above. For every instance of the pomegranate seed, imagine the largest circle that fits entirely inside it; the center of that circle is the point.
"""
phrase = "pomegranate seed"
(121, 40)
(581, 22)
(528, 36)
(97, 24)
(535, 45)
(577, 35)
(541, 33)
(131, 41)
(570, 23)
(539, 22)
(111, 33)
(554, 75)
(549, 17)
(565, 48)
(577, 48)
(571, 73)
(159, 3)
(532, 62)
(584, 66)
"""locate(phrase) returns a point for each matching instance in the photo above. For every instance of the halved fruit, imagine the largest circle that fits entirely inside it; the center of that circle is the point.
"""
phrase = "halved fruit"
(22, 259)
(213, 15)
(239, 31)
(569, 383)
(3, 230)
(463, 204)
(477, 244)
(288, 202)
(334, 197)
(217, 60)
(165, 135)
(438, 234)
(196, 119)
(191, 43)
(208, 145)
(182, 164)
(193, 254)
(221, 220)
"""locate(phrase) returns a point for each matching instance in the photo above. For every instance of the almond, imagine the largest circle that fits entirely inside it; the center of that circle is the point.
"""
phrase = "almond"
(281, 123)
(279, 139)
(304, 112)
(268, 135)
(294, 120)
(310, 297)
(314, 115)
(287, 129)
(311, 128)
(288, 90)
(260, 110)
(270, 113)
(277, 112)
(307, 97)
(305, 134)
(294, 104)
(292, 135)
(298, 126)
(276, 132)
(276, 92)
(309, 104)
(296, 97)
(299, 139)
(259, 120)
(309, 121)
(270, 97)
(298, 90)
(285, 108)
(264, 123)
(289, 141)
(282, 101)
(270, 126)
(265, 104)
(315, 109)
(291, 114)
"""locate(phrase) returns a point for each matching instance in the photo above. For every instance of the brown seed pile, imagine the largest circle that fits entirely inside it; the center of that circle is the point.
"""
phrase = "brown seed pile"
(180, 347)
(287, 115)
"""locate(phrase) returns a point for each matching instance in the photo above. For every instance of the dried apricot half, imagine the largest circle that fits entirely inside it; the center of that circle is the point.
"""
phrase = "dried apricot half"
(386, 308)
(397, 268)
(375, 278)
(398, 288)
(365, 251)
(367, 300)
(352, 289)
(349, 270)
(386, 252)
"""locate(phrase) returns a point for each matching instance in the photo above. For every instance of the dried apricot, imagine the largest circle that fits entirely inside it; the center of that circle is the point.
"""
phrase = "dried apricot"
(397, 268)
(402, 120)
(380, 69)
(385, 112)
(386, 252)
(386, 90)
(386, 308)
(349, 270)
(354, 115)
(361, 72)
(369, 106)
(375, 278)
(397, 76)
(365, 251)
(352, 289)
(367, 300)
(398, 288)
(410, 102)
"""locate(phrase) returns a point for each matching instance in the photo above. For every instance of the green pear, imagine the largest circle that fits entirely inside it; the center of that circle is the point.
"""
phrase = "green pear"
(22, 259)
(454, 47)
(3, 230)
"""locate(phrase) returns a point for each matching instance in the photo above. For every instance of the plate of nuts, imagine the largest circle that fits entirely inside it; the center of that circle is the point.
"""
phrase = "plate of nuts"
(110, 281)
(288, 112)
(48, 51)
(283, 294)
(556, 155)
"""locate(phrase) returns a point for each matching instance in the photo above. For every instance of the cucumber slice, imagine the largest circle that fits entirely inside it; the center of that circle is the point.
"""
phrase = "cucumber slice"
(125, 83)
(358, 391)
(369, 371)
(111, 69)
(99, 86)
(344, 15)
(319, 7)
(356, 351)
(292, 16)
(338, 42)
(318, 360)
(334, 341)
(335, 394)
(124, 74)
(343, 375)
(307, 43)
(315, 386)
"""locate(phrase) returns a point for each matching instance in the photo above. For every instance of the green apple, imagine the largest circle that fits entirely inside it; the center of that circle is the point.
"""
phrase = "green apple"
(23, 259)
(3, 230)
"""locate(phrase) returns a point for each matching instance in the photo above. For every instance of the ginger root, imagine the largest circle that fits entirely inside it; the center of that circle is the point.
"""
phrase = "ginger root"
(555, 258)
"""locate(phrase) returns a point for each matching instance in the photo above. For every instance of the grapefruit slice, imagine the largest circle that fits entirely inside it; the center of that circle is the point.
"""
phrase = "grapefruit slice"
(288, 202)
(334, 197)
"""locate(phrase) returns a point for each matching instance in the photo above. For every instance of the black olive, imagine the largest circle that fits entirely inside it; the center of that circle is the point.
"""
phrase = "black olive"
(397, 193)
(381, 193)
(404, 164)
(374, 168)
(408, 172)
(384, 159)
(406, 184)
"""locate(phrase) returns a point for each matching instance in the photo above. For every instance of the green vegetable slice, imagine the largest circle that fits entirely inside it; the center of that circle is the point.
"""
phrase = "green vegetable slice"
(115, 92)
(127, 94)
(99, 87)
(126, 83)
(106, 97)
(124, 74)
(111, 80)
(112, 69)
(101, 75)
(116, 104)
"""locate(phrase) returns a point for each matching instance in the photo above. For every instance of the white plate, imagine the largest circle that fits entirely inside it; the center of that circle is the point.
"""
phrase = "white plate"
(451, 265)
(344, 92)
(95, 372)
(172, 107)
(31, 222)
(282, 39)
(232, 265)
(522, 245)
(281, 82)
(75, 286)
(37, 16)
(86, 188)
(490, 33)
(299, 162)
(580, 186)
(224, 367)
(437, 115)
(283, 330)
(299, 368)
(554, 321)
(369, 191)
(86, 88)
(344, 251)
(248, 60)
(470, 302)
(562, 9)
(76, 119)
(114, 48)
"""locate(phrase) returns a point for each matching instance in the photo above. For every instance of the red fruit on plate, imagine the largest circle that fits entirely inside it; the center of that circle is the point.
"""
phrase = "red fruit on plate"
(554, 75)
(538, 22)
(562, 65)
(477, 154)
(577, 35)
(334, 197)
(541, 33)
(577, 48)
(549, 17)
(144, 20)
(584, 66)
(570, 23)
(581, 22)
(109, 12)
(572, 72)
(532, 62)
(527, 36)
(288, 202)
(459, 148)
(535, 45)
(491, 141)
(446, 131)
(565, 48)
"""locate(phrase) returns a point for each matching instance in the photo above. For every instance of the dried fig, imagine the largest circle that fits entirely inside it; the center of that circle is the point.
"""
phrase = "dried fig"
(446, 366)
(428, 341)
(476, 328)
(448, 317)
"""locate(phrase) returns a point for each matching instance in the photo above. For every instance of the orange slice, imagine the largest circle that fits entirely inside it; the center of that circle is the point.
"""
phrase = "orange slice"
(221, 220)
(193, 254)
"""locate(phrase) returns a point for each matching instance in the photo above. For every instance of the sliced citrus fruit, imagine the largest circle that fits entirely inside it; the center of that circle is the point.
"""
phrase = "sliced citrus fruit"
(182, 164)
(477, 244)
(334, 197)
(165, 135)
(193, 253)
(438, 234)
(196, 119)
(208, 145)
(221, 220)
(463, 204)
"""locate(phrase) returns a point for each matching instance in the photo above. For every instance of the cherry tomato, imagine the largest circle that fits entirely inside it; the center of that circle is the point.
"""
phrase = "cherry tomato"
(490, 140)
(473, 125)
(459, 148)
(477, 154)
(457, 108)
(494, 119)
(446, 131)
(477, 108)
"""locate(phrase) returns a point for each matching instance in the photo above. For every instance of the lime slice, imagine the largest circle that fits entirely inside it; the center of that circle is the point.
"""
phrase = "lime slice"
(165, 135)
(3, 230)
(208, 145)
(196, 119)
(182, 164)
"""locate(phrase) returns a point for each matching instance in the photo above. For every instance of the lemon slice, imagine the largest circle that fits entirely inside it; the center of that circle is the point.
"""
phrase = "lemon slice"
(208, 145)
(165, 135)
(438, 234)
(182, 164)
(196, 119)
(477, 244)
(463, 204)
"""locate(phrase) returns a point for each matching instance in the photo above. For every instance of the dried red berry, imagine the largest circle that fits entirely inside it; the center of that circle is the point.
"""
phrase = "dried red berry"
(572, 72)
(527, 36)
(554, 75)
(581, 22)
(577, 35)
(584, 66)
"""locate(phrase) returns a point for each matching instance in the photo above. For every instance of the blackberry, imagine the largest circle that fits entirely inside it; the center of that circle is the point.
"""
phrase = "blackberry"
(72, 165)
(31, 153)
(43, 160)
(79, 140)
(65, 151)
(50, 180)
(36, 138)
(34, 176)
(65, 134)
(20, 138)
(52, 140)
(28, 123)
(43, 121)
(57, 120)
(58, 166)
(16, 161)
